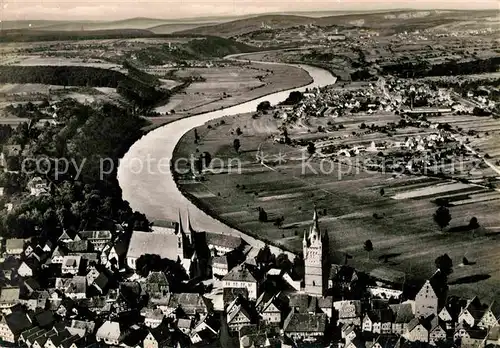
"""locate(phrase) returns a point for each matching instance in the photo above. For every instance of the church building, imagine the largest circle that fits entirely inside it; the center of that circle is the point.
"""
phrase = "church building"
(316, 259)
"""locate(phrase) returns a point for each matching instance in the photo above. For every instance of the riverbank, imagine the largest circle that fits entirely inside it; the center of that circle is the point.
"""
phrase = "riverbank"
(226, 86)
(151, 188)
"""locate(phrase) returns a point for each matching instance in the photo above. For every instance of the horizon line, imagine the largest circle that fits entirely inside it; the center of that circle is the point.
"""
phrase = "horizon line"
(256, 14)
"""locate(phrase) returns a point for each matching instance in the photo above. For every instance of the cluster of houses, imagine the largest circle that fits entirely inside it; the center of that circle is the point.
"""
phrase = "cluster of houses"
(89, 289)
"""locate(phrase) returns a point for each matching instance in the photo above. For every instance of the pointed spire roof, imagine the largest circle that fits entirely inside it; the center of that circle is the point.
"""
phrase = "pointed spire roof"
(315, 226)
(190, 227)
(181, 229)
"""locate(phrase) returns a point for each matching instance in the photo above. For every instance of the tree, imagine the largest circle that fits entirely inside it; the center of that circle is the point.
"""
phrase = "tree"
(283, 263)
(285, 135)
(298, 268)
(473, 223)
(445, 264)
(442, 217)
(262, 215)
(311, 148)
(293, 98)
(264, 106)
(279, 221)
(236, 145)
(196, 136)
(265, 257)
(368, 247)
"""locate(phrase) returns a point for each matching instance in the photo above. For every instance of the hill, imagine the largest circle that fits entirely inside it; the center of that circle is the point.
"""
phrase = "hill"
(247, 25)
(394, 21)
(48, 35)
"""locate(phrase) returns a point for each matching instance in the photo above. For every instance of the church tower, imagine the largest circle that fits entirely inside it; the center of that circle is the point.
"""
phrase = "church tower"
(315, 247)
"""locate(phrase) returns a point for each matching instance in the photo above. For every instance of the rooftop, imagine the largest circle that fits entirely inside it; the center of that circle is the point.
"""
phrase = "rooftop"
(158, 243)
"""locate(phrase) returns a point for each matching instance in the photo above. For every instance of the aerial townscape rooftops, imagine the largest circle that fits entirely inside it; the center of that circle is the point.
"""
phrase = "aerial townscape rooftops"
(199, 176)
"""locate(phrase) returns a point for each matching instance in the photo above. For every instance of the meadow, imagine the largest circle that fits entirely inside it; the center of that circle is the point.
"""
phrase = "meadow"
(352, 209)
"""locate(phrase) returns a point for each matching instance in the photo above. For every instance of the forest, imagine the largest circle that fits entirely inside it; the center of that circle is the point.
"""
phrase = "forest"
(138, 87)
(78, 199)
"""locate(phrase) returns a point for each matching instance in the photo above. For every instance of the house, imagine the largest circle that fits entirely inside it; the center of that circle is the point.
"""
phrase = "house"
(114, 254)
(403, 315)
(488, 320)
(190, 304)
(221, 244)
(241, 277)
(152, 317)
(98, 239)
(12, 325)
(220, 265)
(101, 283)
(109, 333)
(348, 332)
(349, 312)
(158, 337)
(241, 313)
(67, 237)
(71, 264)
(184, 325)
(55, 340)
(270, 307)
(367, 322)
(437, 332)
(92, 275)
(157, 285)
(81, 328)
(58, 256)
(426, 301)
(9, 297)
(305, 325)
(74, 288)
(325, 305)
(450, 312)
(417, 331)
(14, 246)
(26, 269)
(472, 313)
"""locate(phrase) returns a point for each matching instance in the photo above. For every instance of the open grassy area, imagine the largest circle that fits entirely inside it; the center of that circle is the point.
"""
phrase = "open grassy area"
(399, 223)
(230, 85)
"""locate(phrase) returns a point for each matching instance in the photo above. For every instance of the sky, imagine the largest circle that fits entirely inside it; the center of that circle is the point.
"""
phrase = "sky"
(175, 9)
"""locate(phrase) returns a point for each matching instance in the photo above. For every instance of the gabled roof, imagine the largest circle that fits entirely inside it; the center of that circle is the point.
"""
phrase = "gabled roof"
(110, 330)
(305, 322)
(191, 303)
(223, 240)
(240, 273)
(230, 294)
(403, 313)
(299, 301)
(18, 322)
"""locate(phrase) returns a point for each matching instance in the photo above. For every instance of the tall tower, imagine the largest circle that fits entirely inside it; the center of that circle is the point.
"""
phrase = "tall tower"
(315, 245)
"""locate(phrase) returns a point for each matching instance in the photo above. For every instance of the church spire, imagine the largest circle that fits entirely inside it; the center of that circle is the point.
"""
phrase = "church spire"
(315, 226)
(190, 227)
(181, 229)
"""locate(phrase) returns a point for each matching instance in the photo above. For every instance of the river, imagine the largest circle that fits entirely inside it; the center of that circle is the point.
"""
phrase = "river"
(144, 172)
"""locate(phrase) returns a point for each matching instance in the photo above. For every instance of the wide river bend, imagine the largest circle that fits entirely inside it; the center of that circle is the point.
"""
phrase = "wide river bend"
(144, 172)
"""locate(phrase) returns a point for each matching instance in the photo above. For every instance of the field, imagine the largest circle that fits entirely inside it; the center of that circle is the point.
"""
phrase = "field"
(351, 207)
(230, 85)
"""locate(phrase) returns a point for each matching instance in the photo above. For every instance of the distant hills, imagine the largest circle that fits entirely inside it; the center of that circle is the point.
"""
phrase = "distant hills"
(398, 20)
